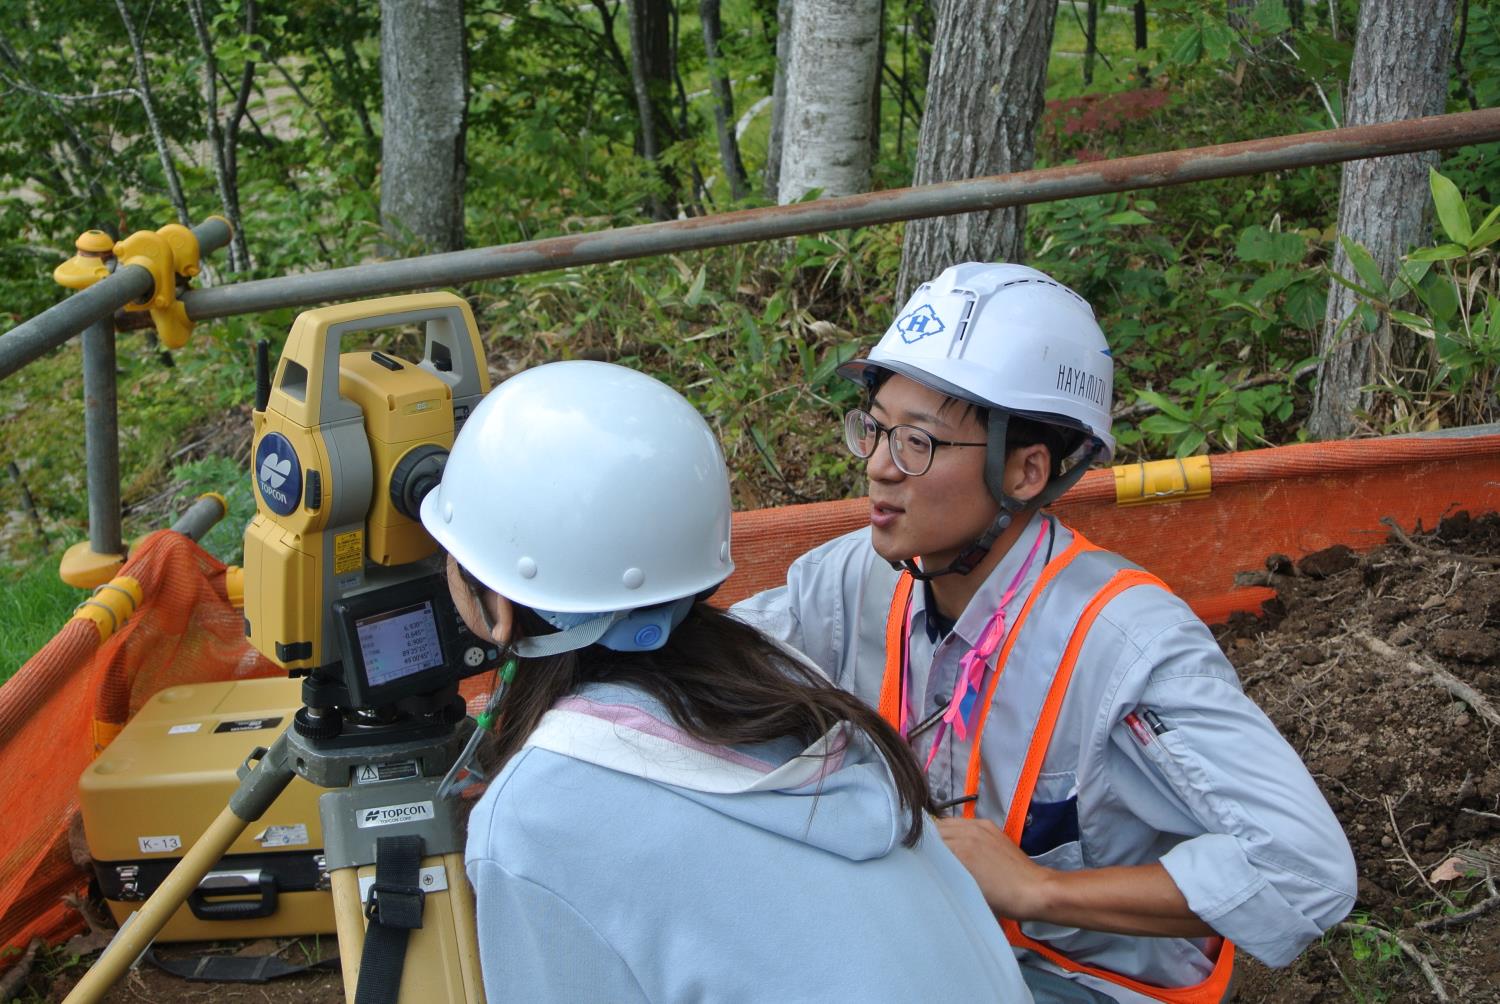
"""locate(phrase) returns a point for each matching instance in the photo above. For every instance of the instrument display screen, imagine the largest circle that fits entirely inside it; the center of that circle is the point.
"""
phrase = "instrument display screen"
(398, 643)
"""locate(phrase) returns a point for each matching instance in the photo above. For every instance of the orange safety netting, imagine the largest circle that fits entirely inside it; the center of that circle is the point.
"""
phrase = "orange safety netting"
(1292, 500)
(75, 693)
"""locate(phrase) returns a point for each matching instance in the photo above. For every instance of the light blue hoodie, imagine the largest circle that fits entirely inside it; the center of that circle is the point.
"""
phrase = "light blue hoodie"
(615, 858)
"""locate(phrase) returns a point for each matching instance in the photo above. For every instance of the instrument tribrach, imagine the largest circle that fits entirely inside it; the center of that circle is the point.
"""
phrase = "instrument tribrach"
(344, 588)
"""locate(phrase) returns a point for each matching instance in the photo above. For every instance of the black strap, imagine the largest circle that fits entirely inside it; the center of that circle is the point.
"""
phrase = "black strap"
(233, 969)
(395, 910)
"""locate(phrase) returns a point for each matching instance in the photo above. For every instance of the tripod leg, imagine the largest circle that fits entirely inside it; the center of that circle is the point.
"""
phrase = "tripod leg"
(349, 916)
(442, 957)
(259, 787)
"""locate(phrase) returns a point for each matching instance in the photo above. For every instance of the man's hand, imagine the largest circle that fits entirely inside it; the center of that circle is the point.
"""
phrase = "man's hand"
(1134, 899)
(1009, 880)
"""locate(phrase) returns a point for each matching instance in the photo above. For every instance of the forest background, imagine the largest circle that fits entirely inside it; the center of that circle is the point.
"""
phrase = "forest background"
(567, 117)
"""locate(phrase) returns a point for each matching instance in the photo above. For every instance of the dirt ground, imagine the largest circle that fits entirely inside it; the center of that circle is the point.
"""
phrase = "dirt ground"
(1383, 670)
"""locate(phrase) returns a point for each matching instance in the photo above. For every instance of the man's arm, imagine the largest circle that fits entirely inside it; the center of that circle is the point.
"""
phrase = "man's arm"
(1136, 899)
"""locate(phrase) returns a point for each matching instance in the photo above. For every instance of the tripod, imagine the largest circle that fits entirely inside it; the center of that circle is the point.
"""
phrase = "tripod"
(383, 774)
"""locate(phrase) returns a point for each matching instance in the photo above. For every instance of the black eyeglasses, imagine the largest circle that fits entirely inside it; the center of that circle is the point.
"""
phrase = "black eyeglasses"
(911, 448)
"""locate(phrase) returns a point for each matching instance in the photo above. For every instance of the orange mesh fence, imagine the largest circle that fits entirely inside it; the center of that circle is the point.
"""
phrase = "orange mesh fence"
(75, 693)
(1290, 499)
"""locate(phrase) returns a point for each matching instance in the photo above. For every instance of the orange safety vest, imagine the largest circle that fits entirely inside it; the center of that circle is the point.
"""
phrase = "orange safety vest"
(1212, 989)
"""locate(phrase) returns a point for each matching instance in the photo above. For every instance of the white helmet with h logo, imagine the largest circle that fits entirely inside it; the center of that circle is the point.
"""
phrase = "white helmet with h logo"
(1004, 336)
(595, 495)
(1017, 342)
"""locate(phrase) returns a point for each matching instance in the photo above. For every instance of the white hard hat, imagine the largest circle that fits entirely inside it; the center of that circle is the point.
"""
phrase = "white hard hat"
(1004, 336)
(585, 488)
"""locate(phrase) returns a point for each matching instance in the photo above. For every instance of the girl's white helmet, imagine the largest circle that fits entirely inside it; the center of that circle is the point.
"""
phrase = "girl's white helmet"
(1008, 337)
(585, 488)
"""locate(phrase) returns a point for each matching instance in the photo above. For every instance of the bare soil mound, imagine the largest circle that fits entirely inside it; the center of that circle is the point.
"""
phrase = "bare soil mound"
(1383, 670)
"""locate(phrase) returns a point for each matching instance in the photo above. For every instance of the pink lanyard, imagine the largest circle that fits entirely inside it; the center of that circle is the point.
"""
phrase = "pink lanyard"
(971, 668)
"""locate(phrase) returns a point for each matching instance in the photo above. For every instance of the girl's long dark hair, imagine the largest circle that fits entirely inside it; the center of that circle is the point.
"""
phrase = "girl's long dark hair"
(723, 682)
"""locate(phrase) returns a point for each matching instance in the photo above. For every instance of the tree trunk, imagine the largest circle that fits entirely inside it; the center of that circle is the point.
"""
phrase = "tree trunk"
(424, 75)
(1400, 71)
(984, 100)
(148, 104)
(223, 137)
(651, 78)
(826, 133)
(1090, 41)
(1141, 70)
(771, 183)
(718, 75)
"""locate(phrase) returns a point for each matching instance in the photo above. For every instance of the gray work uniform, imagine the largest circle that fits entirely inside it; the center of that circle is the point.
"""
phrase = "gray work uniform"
(1215, 794)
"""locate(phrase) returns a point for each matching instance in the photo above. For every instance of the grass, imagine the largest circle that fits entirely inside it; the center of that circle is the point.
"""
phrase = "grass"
(34, 605)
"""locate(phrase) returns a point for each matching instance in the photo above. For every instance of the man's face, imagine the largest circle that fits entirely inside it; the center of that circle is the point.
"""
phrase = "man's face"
(936, 515)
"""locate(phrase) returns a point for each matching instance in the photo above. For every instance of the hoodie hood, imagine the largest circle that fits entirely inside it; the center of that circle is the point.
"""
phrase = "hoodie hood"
(836, 794)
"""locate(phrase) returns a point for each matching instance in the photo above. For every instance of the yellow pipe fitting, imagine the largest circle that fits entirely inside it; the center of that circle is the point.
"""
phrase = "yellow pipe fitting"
(172, 325)
(234, 586)
(150, 250)
(1162, 481)
(111, 605)
(184, 247)
(168, 253)
(87, 266)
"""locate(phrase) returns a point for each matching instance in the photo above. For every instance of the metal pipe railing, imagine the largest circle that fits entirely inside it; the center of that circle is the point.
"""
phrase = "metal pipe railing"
(34, 338)
(101, 434)
(93, 308)
(1438, 132)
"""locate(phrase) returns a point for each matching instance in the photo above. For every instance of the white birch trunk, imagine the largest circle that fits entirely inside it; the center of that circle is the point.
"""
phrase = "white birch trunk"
(826, 128)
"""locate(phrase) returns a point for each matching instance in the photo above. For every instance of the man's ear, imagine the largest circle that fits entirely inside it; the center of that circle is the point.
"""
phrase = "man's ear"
(1027, 471)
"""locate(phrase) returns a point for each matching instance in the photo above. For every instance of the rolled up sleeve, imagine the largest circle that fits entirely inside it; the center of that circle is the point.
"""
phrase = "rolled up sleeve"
(1265, 862)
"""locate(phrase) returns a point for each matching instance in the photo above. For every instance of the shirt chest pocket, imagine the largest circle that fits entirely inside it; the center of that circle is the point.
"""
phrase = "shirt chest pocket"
(1052, 817)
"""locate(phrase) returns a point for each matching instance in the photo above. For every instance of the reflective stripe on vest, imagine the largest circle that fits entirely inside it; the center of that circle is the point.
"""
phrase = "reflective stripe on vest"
(1212, 989)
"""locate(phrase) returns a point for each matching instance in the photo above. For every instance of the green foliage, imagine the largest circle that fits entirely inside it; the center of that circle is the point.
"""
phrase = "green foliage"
(226, 541)
(34, 605)
(1211, 293)
(1448, 295)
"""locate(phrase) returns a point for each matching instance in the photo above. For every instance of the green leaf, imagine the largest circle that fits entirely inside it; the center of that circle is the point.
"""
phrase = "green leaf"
(1271, 17)
(1270, 284)
(1127, 218)
(1365, 267)
(1420, 325)
(832, 360)
(1305, 303)
(1161, 425)
(1256, 243)
(1187, 47)
(1451, 211)
(1190, 441)
(1443, 252)
(695, 292)
(1485, 235)
(1162, 404)
(1217, 38)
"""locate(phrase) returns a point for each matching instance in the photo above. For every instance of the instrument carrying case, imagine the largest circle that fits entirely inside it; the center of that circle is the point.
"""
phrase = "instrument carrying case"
(154, 790)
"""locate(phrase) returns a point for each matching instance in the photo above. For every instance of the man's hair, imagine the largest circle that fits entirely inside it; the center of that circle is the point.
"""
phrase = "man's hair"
(1020, 431)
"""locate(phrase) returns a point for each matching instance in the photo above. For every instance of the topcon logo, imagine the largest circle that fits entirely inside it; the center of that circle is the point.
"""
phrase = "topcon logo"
(274, 470)
(389, 815)
(278, 473)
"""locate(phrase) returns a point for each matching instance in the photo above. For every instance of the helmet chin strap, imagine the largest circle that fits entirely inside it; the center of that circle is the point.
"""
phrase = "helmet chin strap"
(1010, 506)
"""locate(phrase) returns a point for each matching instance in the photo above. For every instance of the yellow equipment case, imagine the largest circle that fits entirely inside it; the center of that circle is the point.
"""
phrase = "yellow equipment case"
(154, 790)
